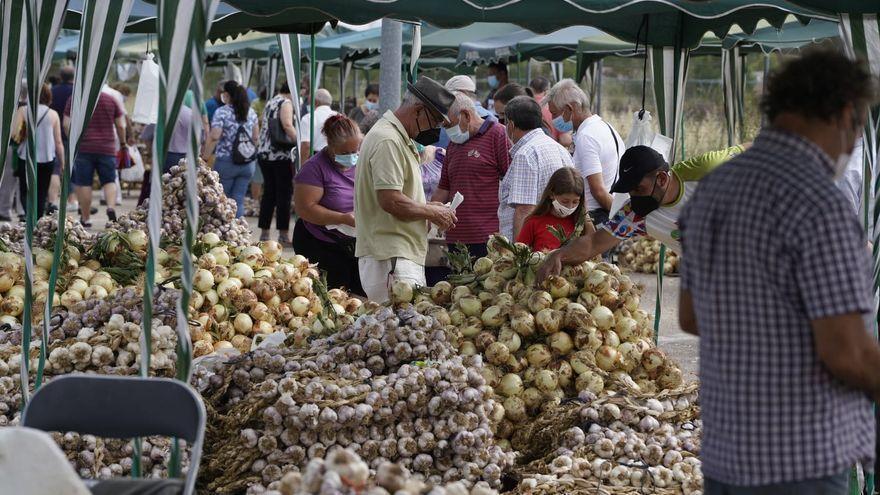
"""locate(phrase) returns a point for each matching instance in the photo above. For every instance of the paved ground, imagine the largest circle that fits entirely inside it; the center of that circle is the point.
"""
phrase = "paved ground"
(681, 346)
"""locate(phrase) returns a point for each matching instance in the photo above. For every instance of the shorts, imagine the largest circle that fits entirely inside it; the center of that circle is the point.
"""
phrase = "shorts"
(376, 279)
(86, 164)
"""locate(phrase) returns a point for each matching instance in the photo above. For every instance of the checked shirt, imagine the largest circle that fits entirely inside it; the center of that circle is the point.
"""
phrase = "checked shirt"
(769, 244)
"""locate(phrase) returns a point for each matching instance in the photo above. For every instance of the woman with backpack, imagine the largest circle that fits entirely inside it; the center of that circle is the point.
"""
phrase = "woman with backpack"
(277, 143)
(233, 140)
(49, 146)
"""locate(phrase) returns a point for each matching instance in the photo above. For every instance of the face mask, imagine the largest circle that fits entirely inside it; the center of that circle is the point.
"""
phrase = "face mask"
(563, 125)
(456, 135)
(493, 82)
(347, 161)
(643, 205)
(561, 210)
(371, 105)
(419, 147)
(428, 136)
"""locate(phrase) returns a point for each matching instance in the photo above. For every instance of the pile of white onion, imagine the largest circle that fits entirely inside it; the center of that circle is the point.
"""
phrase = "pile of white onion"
(643, 255)
(581, 331)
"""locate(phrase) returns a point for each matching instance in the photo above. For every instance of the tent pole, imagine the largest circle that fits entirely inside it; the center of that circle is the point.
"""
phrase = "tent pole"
(599, 87)
(312, 96)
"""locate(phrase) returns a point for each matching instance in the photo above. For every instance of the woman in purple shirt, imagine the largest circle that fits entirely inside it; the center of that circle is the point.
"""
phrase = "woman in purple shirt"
(323, 195)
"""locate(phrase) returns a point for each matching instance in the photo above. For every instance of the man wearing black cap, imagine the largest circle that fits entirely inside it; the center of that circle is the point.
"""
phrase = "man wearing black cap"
(657, 195)
(390, 208)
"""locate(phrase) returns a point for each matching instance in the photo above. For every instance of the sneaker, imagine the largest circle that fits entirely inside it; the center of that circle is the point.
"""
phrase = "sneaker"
(93, 210)
(111, 214)
(85, 223)
(50, 209)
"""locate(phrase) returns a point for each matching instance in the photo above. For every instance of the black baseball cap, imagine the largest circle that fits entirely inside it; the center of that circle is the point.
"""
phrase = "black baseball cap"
(635, 164)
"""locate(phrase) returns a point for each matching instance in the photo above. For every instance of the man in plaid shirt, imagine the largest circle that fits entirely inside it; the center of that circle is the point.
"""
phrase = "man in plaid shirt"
(775, 280)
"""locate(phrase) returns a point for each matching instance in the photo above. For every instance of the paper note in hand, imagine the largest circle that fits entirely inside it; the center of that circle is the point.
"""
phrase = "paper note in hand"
(345, 229)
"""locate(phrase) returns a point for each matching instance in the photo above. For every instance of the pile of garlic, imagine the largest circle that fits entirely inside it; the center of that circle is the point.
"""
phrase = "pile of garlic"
(343, 472)
(12, 234)
(216, 211)
(245, 291)
(101, 336)
(582, 331)
(389, 388)
(643, 255)
(101, 459)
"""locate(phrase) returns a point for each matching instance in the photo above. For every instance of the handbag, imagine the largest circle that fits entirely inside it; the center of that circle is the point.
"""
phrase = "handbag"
(277, 137)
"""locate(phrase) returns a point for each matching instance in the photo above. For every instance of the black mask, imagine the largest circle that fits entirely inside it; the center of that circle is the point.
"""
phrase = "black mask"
(643, 205)
(428, 136)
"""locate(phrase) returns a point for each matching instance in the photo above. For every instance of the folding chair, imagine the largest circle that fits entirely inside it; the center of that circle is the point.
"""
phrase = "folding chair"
(123, 407)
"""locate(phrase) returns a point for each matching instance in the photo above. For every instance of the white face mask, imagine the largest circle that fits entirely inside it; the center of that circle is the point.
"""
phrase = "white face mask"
(561, 210)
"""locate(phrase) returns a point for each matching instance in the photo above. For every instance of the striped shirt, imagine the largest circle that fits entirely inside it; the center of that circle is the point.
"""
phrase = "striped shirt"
(475, 169)
(534, 158)
(771, 244)
(100, 135)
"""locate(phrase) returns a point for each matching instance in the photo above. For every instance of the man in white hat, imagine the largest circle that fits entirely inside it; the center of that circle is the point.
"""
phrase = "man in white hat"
(464, 84)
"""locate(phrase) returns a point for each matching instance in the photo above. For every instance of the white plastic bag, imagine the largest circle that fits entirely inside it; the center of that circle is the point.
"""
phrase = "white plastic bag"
(134, 173)
(146, 102)
(642, 133)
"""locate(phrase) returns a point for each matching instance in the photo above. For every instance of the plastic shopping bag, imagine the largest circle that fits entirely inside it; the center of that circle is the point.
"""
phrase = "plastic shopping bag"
(146, 102)
(134, 173)
(642, 133)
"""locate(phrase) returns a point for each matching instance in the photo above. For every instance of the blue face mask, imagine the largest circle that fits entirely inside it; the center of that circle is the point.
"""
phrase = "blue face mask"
(493, 82)
(347, 161)
(456, 135)
(563, 125)
(370, 105)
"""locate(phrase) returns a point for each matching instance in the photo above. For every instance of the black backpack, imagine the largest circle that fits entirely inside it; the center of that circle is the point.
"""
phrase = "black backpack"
(244, 150)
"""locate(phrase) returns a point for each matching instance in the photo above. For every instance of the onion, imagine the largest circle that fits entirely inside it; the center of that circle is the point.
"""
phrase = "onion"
(203, 280)
(401, 292)
(16, 290)
(471, 327)
(576, 316)
(265, 328)
(441, 293)
(546, 381)
(603, 317)
(252, 256)
(137, 239)
(227, 288)
(504, 301)
(522, 322)
(597, 282)
(510, 339)
(482, 266)
(558, 286)
(221, 255)
(607, 358)
(459, 292)
(457, 317)
(548, 321)
(631, 302)
(271, 250)
(207, 261)
(286, 272)
(300, 262)
(242, 272)
(627, 329)
(494, 282)
(591, 381)
(243, 324)
(211, 296)
(588, 300)
(84, 273)
(78, 285)
(68, 299)
(103, 280)
(505, 268)
(497, 353)
(511, 385)
(492, 317)
(653, 359)
(196, 300)
(671, 378)
(629, 357)
(560, 343)
(532, 397)
(43, 258)
(220, 312)
(540, 300)
(538, 355)
(467, 348)
(610, 299)
(302, 287)
(210, 238)
(514, 409)
(470, 305)
(6, 282)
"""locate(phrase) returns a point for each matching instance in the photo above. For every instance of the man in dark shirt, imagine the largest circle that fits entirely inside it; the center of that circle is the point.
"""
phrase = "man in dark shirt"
(61, 93)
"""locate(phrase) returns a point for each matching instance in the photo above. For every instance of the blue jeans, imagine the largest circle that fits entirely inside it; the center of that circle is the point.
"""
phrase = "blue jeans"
(235, 179)
(836, 484)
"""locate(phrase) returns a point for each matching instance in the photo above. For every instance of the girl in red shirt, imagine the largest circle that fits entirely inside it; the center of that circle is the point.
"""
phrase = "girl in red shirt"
(561, 205)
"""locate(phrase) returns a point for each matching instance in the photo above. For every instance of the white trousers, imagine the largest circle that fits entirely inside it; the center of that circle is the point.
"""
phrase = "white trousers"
(377, 276)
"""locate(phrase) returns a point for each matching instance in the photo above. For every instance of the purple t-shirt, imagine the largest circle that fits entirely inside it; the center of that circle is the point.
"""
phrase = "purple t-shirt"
(338, 185)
